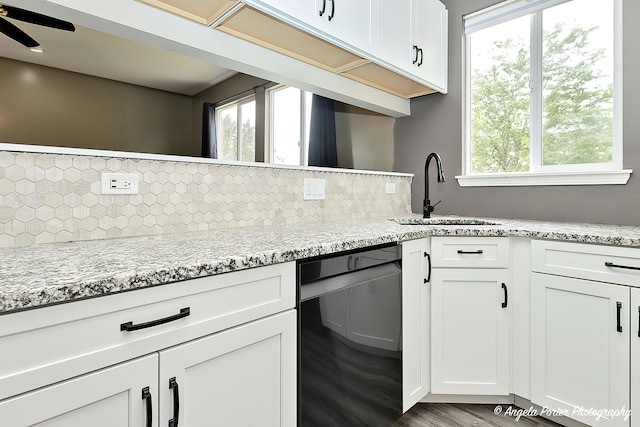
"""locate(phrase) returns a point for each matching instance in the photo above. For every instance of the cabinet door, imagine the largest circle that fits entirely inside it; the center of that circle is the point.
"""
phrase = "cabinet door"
(470, 332)
(415, 321)
(109, 397)
(635, 355)
(347, 21)
(580, 347)
(429, 34)
(394, 33)
(245, 376)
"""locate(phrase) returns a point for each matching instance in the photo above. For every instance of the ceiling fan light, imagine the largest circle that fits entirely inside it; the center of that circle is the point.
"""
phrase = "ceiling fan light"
(37, 49)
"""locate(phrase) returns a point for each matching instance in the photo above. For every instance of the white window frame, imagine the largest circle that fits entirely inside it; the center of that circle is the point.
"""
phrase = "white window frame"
(583, 174)
(238, 104)
(304, 144)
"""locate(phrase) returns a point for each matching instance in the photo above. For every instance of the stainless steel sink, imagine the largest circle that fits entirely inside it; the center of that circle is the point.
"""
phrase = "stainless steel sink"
(443, 221)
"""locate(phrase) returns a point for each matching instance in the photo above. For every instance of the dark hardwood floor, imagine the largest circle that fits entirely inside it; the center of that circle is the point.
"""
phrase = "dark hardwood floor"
(465, 415)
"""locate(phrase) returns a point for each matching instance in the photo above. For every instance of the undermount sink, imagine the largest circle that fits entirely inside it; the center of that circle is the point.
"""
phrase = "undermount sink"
(443, 221)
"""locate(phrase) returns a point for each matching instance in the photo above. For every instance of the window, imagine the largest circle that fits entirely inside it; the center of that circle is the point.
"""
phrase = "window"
(290, 113)
(542, 94)
(236, 130)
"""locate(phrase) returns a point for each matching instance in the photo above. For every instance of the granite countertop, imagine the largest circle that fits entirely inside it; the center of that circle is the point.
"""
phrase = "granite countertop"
(46, 274)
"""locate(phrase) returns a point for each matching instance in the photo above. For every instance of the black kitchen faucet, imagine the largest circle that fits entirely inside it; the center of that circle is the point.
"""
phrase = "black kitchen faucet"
(426, 206)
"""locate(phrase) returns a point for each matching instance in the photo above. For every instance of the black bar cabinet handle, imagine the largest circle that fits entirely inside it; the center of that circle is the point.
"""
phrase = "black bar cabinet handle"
(146, 396)
(619, 309)
(421, 56)
(324, 7)
(333, 9)
(478, 252)
(129, 326)
(415, 49)
(506, 295)
(173, 385)
(428, 279)
(628, 267)
(639, 321)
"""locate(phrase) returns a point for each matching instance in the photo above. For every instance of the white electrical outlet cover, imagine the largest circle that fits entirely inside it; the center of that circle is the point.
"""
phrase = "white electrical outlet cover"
(314, 189)
(119, 183)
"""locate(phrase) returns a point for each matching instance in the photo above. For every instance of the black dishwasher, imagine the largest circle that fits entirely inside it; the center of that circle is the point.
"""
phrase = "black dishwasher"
(349, 339)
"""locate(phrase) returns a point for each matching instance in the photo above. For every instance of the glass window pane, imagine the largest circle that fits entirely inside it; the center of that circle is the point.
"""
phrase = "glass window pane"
(578, 83)
(286, 126)
(248, 131)
(499, 122)
(228, 133)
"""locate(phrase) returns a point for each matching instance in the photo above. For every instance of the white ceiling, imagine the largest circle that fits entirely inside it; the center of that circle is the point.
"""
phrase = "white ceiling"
(98, 54)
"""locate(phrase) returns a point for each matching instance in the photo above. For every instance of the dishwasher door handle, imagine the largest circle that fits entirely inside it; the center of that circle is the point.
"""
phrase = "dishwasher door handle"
(348, 280)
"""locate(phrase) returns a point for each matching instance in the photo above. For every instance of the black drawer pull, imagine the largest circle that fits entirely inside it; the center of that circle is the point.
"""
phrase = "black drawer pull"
(415, 49)
(129, 326)
(146, 396)
(333, 9)
(420, 63)
(506, 296)
(639, 321)
(619, 309)
(173, 385)
(324, 7)
(478, 252)
(628, 267)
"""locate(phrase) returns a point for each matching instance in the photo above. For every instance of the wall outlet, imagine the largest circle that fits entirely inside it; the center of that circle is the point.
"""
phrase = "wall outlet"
(390, 188)
(314, 189)
(119, 183)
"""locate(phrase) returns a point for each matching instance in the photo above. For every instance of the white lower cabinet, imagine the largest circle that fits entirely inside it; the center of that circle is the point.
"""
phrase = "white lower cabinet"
(115, 396)
(470, 332)
(635, 356)
(580, 329)
(470, 316)
(416, 303)
(208, 381)
(197, 353)
(242, 377)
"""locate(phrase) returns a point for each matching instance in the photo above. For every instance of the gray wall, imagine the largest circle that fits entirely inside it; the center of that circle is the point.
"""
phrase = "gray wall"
(47, 106)
(435, 124)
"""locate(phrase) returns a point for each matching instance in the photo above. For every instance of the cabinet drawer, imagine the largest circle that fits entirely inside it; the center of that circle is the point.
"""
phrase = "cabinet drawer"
(592, 262)
(470, 252)
(42, 346)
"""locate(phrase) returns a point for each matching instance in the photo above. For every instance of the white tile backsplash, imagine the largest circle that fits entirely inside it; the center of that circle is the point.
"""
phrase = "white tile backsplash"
(47, 198)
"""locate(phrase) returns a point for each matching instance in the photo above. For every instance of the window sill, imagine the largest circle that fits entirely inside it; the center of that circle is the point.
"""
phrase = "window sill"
(545, 178)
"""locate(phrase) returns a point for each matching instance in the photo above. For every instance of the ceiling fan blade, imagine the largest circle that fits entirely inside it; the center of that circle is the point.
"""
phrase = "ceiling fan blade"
(37, 18)
(16, 33)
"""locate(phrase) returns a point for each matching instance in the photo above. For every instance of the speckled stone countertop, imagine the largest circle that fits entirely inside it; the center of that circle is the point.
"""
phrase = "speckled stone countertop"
(40, 275)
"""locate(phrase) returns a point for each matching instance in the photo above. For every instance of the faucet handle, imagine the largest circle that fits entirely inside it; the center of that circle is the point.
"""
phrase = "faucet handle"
(436, 204)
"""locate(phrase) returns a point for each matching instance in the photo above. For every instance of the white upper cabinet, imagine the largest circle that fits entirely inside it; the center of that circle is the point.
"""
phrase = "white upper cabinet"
(396, 47)
(394, 33)
(429, 32)
(348, 21)
(344, 22)
(412, 36)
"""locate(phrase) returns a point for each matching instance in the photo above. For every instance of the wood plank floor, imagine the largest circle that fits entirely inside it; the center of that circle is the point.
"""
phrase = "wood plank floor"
(465, 415)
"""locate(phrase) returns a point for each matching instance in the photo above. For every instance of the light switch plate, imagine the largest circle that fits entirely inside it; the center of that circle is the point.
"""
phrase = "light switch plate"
(314, 189)
(119, 183)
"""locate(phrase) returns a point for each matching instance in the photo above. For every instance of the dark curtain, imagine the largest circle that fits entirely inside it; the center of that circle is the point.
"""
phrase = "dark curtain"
(209, 143)
(322, 135)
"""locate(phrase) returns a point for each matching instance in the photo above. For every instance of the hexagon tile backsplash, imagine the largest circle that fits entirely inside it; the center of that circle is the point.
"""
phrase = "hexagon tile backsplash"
(48, 198)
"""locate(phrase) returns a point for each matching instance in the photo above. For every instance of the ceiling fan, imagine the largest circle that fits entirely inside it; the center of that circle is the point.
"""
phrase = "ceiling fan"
(20, 36)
